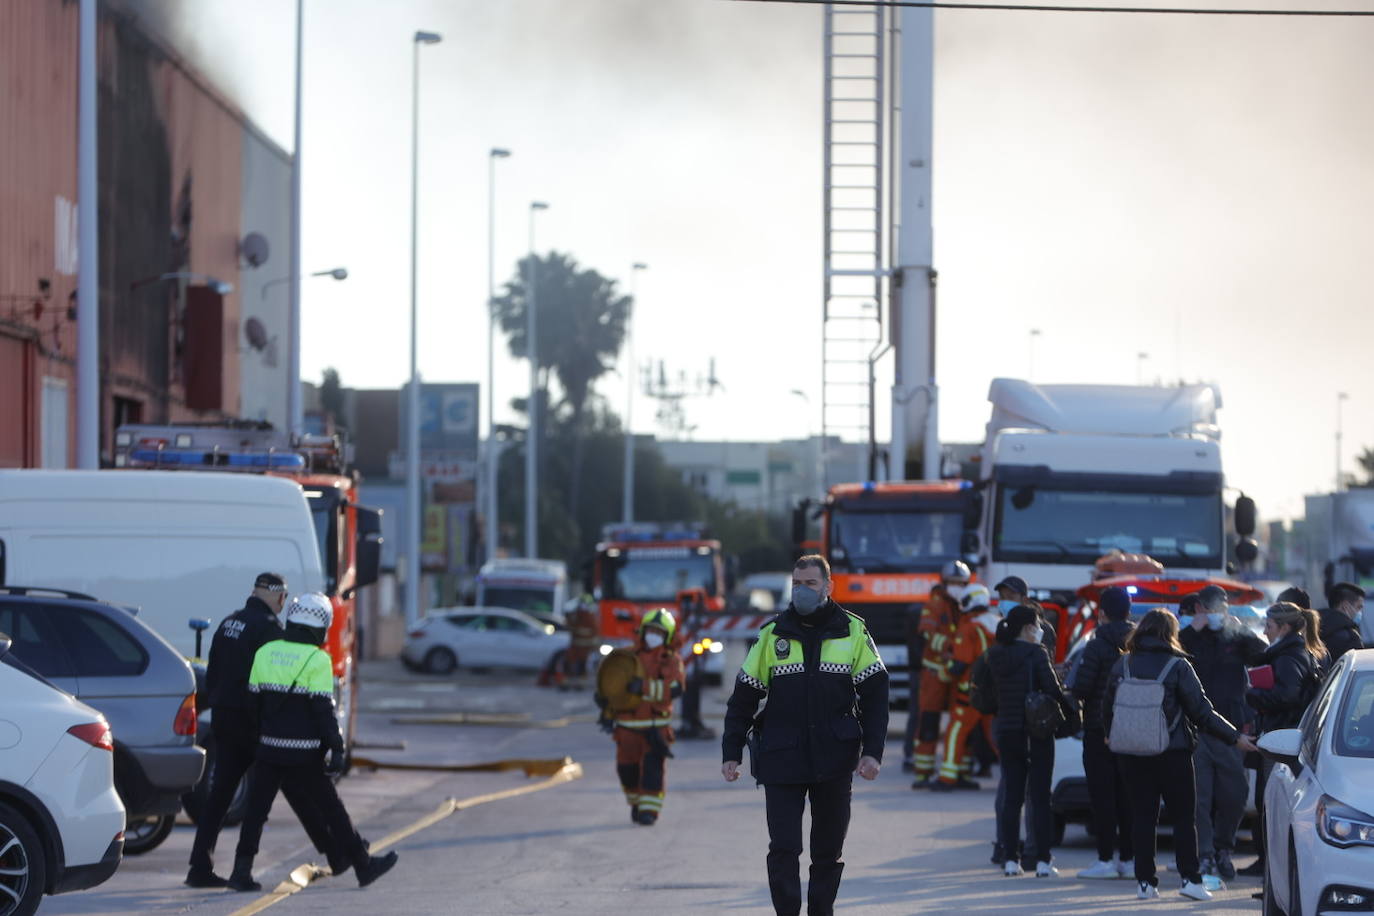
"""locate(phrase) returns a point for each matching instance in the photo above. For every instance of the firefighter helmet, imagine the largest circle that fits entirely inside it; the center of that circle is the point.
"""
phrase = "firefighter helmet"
(955, 571)
(310, 610)
(660, 618)
(976, 596)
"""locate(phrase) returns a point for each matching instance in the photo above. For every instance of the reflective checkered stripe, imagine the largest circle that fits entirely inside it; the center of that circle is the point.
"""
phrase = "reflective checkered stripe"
(868, 672)
(294, 689)
(794, 668)
(291, 744)
(834, 668)
(752, 681)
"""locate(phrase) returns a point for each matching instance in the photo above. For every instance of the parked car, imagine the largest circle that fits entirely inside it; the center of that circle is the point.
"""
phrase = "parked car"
(762, 592)
(1319, 800)
(61, 821)
(481, 637)
(106, 657)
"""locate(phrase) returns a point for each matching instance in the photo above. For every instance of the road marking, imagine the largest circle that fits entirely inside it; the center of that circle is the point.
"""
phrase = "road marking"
(554, 772)
(497, 719)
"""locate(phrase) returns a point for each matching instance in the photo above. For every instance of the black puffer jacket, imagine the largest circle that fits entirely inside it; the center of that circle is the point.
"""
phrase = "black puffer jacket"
(1295, 684)
(1095, 666)
(1015, 667)
(1183, 694)
(1220, 658)
(1339, 633)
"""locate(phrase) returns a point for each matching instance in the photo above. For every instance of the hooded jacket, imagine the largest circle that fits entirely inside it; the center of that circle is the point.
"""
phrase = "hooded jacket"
(1186, 707)
(1220, 658)
(1339, 633)
(1015, 667)
(1295, 684)
(1090, 678)
(827, 698)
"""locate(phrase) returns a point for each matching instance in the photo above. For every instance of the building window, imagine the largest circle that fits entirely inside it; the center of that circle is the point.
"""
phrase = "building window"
(126, 411)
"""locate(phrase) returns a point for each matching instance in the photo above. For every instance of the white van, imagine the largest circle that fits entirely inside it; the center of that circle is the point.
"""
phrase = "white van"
(538, 587)
(176, 546)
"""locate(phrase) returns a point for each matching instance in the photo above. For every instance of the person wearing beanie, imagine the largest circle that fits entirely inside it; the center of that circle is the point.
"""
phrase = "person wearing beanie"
(1019, 665)
(1111, 806)
(1221, 650)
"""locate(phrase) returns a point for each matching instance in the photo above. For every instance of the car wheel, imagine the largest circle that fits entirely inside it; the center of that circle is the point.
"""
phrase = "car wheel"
(23, 869)
(147, 833)
(440, 661)
(1294, 887)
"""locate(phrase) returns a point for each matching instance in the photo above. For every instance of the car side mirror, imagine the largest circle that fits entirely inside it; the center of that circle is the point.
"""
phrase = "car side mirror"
(1247, 550)
(1245, 513)
(1282, 746)
(369, 558)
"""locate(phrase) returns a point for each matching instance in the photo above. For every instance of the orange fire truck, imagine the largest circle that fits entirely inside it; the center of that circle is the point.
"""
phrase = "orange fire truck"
(646, 565)
(886, 543)
(349, 535)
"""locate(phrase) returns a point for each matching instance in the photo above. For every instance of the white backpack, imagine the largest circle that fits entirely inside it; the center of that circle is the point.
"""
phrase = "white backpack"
(1138, 724)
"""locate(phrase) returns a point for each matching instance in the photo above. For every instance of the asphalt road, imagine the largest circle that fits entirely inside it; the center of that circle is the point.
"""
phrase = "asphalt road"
(571, 849)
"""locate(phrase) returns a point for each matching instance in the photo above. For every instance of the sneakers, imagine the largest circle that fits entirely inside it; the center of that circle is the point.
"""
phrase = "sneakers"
(1103, 868)
(1125, 869)
(1194, 890)
(1146, 891)
(1226, 869)
(1045, 870)
(1012, 869)
(374, 868)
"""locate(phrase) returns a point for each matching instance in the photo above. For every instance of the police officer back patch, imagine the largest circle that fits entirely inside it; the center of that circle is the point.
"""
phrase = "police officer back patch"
(781, 647)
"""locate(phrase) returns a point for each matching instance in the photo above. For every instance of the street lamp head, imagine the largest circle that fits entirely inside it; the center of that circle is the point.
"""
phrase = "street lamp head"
(219, 286)
(498, 153)
(428, 38)
(1342, 396)
(339, 273)
(538, 205)
(639, 265)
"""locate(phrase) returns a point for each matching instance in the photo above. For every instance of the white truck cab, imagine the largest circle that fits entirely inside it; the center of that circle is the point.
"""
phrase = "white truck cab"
(1071, 472)
(538, 587)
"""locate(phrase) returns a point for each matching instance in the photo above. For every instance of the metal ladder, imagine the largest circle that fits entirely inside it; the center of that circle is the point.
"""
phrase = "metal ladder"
(855, 146)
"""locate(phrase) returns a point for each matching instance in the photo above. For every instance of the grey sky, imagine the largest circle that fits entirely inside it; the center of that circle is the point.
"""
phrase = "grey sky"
(1195, 189)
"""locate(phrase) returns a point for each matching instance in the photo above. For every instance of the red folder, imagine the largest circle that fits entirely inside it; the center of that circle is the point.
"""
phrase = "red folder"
(1261, 678)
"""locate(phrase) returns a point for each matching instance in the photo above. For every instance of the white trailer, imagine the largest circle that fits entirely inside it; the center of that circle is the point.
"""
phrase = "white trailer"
(1340, 545)
(1071, 472)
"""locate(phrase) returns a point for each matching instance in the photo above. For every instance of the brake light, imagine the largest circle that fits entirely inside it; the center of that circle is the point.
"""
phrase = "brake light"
(96, 734)
(185, 722)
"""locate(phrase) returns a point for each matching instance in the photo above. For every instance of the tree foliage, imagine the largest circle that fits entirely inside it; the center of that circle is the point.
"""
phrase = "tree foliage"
(1366, 462)
(331, 396)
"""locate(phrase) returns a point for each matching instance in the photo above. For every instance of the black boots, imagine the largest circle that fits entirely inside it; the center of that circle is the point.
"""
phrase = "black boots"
(241, 878)
(204, 879)
(373, 867)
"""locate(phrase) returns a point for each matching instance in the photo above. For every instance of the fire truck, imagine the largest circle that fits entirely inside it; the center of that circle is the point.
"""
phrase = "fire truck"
(348, 535)
(886, 543)
(646, 565)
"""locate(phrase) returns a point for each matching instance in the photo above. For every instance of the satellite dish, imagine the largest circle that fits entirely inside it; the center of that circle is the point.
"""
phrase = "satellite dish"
(254, 249)
(256, 332)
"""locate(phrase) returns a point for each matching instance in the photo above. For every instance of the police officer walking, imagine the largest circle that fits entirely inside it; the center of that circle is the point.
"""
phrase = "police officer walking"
(233, 722)
(826, 718)
(293, 680)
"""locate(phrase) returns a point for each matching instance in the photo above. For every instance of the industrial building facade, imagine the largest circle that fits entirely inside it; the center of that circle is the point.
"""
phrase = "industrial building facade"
(192, 326)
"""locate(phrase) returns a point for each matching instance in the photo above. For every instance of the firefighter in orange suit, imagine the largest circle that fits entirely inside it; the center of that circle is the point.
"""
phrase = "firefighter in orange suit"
(938, 620)
(971, 639)
(643, 732)
(585, 639)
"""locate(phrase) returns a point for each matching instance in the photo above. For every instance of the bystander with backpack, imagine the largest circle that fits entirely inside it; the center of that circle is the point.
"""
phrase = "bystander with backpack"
(1027, 688)
(1282, 686)
(1111, 807)
(1152, 708)
(1221, 648)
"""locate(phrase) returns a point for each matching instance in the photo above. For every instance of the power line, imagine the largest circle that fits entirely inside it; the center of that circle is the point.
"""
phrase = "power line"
(1040, 8)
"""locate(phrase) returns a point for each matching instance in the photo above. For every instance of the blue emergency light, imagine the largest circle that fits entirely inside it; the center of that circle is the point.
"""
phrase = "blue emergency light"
(276, 461)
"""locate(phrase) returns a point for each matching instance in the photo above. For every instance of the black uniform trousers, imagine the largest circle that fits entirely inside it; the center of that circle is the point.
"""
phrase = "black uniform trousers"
(309, 783)
(1167, 776)
(829, 824)
(236, 743)
(1111, 803)
(1027, 769)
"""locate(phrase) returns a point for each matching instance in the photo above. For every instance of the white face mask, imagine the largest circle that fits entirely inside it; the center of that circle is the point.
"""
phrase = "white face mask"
(653, 640)
(1037, 633)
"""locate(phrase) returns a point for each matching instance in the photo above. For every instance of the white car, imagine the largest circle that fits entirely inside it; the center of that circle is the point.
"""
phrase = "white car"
(1317, 803)
(61, 821)
(481, 637)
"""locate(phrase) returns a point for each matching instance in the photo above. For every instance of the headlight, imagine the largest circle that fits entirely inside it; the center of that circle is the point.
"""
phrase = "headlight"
(717, 648)
(1341, 825)
(605, 649)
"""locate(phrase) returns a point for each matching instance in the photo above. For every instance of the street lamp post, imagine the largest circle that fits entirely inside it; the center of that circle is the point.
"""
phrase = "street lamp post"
(627, 509)
(338, 273)
(493, 467)
(411, 540)
(88, 246)
(532, 437)
(1341, 398)
(1030, 366)
(295, 412)
(1140, 367)
(813, 442)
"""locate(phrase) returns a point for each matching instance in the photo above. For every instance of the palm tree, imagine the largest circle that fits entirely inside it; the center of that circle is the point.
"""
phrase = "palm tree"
(581, 326)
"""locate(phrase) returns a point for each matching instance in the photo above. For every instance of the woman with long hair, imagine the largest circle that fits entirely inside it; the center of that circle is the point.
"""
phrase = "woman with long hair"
(1153, 652)
(1019, 666)
(1295, 657)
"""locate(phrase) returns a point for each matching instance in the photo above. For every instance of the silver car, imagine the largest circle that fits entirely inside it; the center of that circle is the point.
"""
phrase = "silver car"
(106, 657)
(481, 637)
